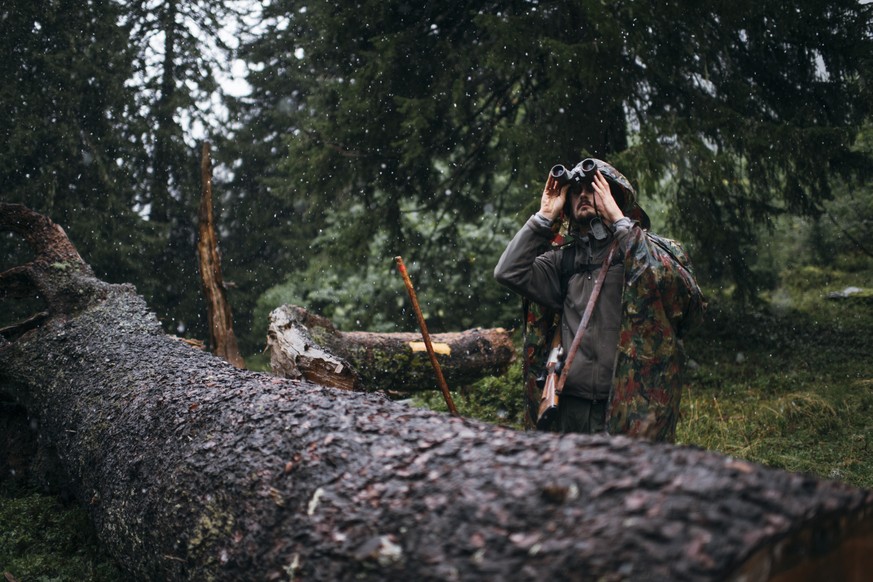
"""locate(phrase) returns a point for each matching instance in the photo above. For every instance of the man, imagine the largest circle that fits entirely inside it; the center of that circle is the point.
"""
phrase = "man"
(626, 374)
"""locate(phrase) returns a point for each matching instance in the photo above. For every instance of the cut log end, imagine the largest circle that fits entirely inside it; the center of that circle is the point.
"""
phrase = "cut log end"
(838, 547)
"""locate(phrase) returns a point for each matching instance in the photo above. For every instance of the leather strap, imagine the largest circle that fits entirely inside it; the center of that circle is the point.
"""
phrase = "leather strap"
(586, 316)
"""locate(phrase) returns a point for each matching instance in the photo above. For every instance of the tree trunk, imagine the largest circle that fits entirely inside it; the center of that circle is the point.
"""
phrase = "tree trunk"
(219, 318)
(193, 469)
(306, 345)
(165, 108)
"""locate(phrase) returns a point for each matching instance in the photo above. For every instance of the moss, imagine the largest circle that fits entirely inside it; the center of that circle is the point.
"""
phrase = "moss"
(415, 366)
(214, 525)
(497, 400)
(43, 539)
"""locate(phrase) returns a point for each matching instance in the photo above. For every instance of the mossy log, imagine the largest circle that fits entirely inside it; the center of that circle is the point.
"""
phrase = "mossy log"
(192, 469)
(305, 345)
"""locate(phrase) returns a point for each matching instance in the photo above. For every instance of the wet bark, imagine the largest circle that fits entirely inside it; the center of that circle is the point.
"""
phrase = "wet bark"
(305, 345)
(193, 469)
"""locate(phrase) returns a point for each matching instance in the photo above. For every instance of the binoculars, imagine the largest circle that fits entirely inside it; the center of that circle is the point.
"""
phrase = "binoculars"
(577, 177)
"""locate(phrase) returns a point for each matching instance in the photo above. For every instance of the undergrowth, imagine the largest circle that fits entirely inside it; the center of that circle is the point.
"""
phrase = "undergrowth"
(789, 382)
(43, 539)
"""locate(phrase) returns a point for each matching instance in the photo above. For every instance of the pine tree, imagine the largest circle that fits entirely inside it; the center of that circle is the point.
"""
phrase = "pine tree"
(69, 127)
(181, 56)
(406, 124)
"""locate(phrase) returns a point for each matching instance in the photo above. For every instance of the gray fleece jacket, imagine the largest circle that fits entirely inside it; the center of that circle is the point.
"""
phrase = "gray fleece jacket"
(535, 274)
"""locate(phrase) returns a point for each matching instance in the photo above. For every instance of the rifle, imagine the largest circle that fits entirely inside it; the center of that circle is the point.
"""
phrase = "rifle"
(548, 409)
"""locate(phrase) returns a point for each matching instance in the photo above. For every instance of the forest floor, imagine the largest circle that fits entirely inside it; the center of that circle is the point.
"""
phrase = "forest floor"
(787, 383)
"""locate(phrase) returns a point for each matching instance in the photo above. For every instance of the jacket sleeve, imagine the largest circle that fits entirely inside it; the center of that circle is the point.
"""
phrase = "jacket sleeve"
(528, 267)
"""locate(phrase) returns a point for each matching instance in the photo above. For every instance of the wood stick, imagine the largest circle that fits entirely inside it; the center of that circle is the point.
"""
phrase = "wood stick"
(433, 360)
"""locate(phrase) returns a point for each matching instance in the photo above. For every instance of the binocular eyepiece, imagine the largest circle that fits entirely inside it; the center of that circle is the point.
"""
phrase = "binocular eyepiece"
(577, 177)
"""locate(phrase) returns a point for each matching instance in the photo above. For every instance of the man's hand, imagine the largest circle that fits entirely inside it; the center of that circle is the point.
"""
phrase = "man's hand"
(552, 202)
(606, 204)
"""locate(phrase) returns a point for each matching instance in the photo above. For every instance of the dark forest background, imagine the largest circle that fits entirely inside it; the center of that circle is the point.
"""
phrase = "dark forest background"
(376, 128)
(426, 129)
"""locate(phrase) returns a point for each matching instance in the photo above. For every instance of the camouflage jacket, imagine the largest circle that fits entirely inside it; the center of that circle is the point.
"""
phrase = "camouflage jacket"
(661, 301)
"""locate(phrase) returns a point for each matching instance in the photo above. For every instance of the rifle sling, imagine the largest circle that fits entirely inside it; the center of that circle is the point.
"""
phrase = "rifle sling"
(586, 317)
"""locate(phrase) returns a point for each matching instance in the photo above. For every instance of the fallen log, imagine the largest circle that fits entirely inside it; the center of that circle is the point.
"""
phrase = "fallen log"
(305, 345)
(192, 469)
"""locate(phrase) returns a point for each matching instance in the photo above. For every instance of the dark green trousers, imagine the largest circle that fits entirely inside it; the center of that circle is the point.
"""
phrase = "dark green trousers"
(580, 415)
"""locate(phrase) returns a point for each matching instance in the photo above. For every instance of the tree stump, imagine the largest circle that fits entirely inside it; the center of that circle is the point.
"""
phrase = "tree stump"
(222, 339)
(192, 469)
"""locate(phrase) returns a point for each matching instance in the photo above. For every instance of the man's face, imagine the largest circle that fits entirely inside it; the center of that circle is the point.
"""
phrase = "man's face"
(582, 203)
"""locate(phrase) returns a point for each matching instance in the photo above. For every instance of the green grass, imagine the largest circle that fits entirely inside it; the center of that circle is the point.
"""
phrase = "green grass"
(789, 383)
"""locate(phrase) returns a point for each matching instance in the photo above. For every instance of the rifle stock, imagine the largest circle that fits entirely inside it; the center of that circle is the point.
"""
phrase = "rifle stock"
(548, 409)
